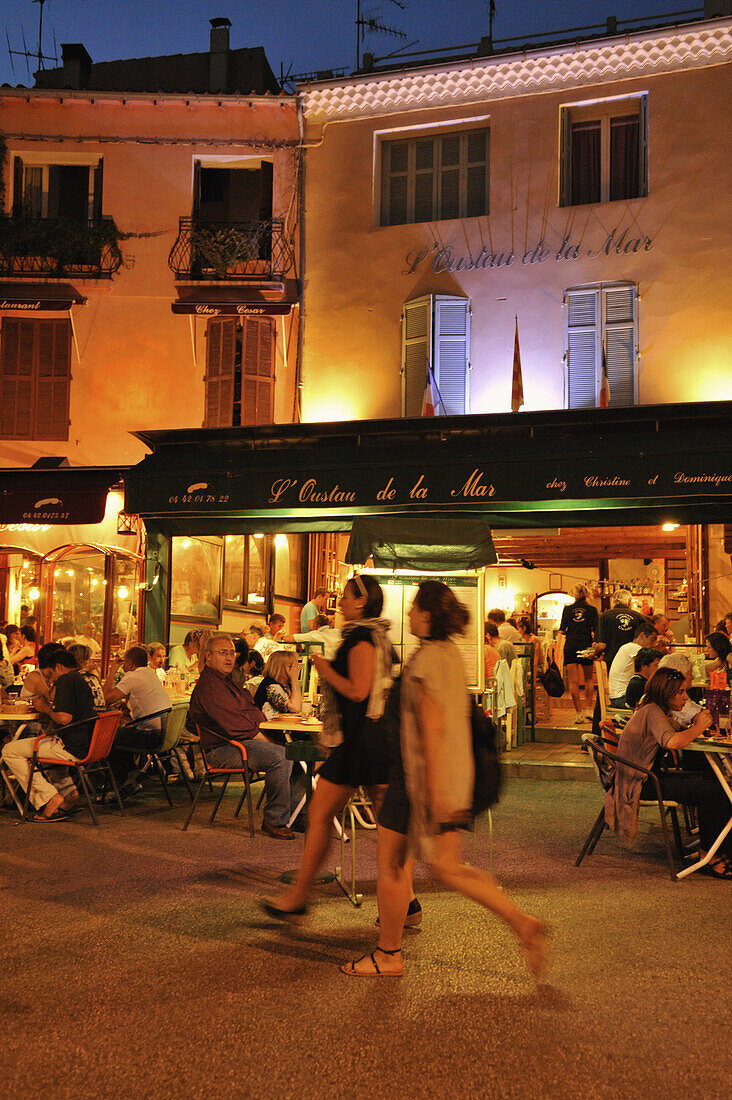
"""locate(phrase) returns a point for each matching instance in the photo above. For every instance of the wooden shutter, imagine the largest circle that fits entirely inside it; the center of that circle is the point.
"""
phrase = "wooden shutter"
(98, 181)
(416, 352)
(565, 157)
(16, 379)
(17, 187)
(620, 343)
(257, 405)
(643, 142)
(581, 358)
(196, 188)
(452, 354)
(219, 378)
(53, 377)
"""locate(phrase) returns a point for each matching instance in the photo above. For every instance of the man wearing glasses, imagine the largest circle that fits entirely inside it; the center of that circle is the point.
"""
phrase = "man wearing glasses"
(220, 706)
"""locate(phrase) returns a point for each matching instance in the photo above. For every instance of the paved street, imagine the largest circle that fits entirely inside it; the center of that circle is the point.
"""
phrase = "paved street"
(135, 962)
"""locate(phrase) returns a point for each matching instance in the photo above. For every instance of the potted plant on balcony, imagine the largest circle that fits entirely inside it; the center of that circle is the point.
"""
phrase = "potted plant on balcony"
(224, 251)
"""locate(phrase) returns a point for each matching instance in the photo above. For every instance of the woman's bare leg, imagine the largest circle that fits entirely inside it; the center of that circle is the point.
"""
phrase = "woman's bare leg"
(376, 794)
(393, 887)
(574, 691)
(328, 800)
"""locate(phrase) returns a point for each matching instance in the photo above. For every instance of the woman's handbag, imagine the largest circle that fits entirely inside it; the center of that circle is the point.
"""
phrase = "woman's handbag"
(552, 681)
(487, 765)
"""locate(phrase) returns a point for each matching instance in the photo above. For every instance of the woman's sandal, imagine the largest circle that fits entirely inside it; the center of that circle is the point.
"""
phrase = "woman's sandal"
(413, 917)
(719, 867)
(291, 916)
(49, 819)
(350, 967)
(536, 949)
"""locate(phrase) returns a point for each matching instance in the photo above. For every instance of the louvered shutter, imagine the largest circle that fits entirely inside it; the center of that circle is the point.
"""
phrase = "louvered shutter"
(257, 371)
(643, 142)
(196, 188)
(98, 182)
(16, 379)
(17, 187)
(565, 157)
(452, 354)
(53, 376)
(581, 354)
(619, 309)
(219, 379)
(416, 352)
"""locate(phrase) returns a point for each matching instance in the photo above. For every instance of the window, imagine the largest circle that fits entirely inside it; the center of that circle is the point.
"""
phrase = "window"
(433, 178)
(601, 319)
(604, 151)
(247, 571)
(71, 191)
(195, 579)
(35, 377)
(239, 372)
(436, 339)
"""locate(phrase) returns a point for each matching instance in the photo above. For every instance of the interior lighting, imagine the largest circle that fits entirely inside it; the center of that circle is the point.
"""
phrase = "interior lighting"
(280, 542)
(26, 564)
(94, 582)
(669, 526)
(69, 572)
(123, 592)
(186, 543)
(34, 593)
(258, 535)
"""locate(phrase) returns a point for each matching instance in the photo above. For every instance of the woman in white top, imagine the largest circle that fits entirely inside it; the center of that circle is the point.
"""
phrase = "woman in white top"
(428, 807)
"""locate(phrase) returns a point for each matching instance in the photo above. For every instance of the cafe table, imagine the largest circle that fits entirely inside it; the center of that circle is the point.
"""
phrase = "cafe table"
(718, 751)
(19, 716)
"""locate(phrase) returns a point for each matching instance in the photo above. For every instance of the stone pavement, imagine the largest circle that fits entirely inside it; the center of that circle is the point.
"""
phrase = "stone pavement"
(135, 962)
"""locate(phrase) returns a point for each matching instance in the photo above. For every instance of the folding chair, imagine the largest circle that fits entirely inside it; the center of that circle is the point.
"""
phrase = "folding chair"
(211, 772)
(606, 759)
(103, 734)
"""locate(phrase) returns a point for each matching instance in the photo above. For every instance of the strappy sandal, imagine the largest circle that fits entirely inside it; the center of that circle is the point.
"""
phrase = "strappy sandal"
(350, 967)
(720, 867)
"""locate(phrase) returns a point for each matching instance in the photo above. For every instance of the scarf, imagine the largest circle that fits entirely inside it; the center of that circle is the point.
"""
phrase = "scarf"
(332, 732)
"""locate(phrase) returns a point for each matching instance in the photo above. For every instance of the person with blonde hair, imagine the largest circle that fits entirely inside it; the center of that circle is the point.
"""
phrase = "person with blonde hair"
(579, 626)
(279, 692)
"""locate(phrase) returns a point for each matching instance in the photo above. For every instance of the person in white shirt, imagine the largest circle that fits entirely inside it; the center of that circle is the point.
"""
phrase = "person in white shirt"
(322, 634)
(623, 666)
(144, 695)
(506, 632)
(684, 717)
(270, 642)
(185, 656)
(88, 637)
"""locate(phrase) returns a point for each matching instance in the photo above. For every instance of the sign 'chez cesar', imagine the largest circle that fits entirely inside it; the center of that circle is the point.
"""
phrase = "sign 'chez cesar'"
(618, 242)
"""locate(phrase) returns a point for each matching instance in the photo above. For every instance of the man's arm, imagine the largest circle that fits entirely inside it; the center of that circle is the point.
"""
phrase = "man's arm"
(112, 694)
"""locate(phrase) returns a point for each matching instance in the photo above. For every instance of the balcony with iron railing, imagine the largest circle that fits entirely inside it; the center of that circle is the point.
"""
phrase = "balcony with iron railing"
(59, 248)
(231, 251)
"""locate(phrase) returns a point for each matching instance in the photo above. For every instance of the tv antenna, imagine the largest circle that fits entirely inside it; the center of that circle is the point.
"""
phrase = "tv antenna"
(370, 23)
(491, 18)
(38, 55)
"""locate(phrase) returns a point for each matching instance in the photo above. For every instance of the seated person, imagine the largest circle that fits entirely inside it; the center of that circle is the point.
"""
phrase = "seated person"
(256, 672)
(321, 634)
(279, 691)
(141, 689)
(645, 664)
(185, 655)
(718, 653)
(19, 648)
(219, 706)
(83, 656)
(621, 670)
(271, 640)
(156, 655)
(649, 730)
(245, 663)
(72, 703)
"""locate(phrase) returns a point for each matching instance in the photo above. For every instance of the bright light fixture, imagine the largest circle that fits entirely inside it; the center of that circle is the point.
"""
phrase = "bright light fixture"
(280, 542)
(123, 592)
(669, 526)
(34, 593)
(258, 535)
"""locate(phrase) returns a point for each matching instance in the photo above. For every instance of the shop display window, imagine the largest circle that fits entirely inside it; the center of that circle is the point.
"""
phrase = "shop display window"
(247, 571)
(195, 589)
(79, 589)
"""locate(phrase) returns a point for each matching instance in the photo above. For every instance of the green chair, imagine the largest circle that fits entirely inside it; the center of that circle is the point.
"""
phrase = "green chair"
(173, 729)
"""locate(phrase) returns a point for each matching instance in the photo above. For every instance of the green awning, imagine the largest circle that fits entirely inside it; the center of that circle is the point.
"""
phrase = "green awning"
(421, 542)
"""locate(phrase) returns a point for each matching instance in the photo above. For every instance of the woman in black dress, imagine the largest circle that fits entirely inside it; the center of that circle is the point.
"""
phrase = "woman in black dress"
(355, 685)
(579, 627)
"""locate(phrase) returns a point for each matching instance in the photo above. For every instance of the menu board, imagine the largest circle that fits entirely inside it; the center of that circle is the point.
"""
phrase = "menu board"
(400, 589)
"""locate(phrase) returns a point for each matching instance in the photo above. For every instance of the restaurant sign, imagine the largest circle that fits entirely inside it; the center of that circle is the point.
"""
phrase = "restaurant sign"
(233, 309)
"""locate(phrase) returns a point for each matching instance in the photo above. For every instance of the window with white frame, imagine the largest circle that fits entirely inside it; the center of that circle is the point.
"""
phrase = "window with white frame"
(434, 177)
(604, 151)
(436, 350)
(601, 322)
(44, 188)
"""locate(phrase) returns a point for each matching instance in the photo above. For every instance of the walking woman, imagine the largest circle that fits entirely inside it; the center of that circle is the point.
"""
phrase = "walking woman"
(579, 627)
(354, 685)
(429, 806)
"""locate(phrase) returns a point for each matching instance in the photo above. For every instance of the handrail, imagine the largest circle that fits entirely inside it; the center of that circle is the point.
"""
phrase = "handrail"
(225, 251)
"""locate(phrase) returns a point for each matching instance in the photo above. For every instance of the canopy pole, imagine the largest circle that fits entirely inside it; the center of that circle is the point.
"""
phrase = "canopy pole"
(192, 325)
(73, 336)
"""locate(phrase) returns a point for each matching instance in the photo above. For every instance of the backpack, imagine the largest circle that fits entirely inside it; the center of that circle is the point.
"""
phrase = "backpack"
(487, 764)
(552, 681)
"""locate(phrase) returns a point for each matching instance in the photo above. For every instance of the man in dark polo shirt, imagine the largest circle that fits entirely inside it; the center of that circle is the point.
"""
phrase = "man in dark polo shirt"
(221, 706)
(617, 626)
(73, 702)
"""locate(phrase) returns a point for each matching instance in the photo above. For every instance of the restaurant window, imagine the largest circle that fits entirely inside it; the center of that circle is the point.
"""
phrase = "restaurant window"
(435, 177)
(436, 341)
(601, 321)
(48, 190)
(247, 571)
(195, 579)
(240, 377)
(604, 151)
(35, 378)
(290, 571)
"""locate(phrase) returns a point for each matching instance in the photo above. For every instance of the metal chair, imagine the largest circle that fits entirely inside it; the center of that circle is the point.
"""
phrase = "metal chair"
(102, 738)
(173, 726)
(211, 772)
(605, 760)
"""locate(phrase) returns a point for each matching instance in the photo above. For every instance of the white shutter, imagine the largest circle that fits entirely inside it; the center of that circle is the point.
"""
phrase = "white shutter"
(620, 343)
(582, 348)
(452, 354)
(416, 352)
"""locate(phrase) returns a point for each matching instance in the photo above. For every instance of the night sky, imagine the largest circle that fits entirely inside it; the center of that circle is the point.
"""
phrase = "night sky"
(301, 35)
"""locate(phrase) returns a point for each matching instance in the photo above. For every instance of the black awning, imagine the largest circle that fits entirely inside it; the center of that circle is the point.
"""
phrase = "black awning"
(421, 542)
(39, 297)
(230, 301)
(67, 495)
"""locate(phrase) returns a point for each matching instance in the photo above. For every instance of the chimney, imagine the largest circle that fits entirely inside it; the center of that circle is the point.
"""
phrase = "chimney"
(218, 68)
(76, 65)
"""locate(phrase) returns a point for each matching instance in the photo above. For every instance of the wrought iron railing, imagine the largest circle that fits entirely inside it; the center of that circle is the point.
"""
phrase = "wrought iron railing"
(231, 250)
(32, 248)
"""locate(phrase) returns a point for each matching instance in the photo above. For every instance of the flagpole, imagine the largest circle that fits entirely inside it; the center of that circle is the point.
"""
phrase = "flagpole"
(431, 378)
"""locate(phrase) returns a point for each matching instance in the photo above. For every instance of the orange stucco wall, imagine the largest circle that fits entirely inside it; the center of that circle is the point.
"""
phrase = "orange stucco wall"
(358, 279)
(136, 368)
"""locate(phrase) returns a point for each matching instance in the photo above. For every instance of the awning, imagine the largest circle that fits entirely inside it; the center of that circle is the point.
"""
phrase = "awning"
(63, 495)
(567, 468)
(39, 297)
(230, 301)
(421, 542)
